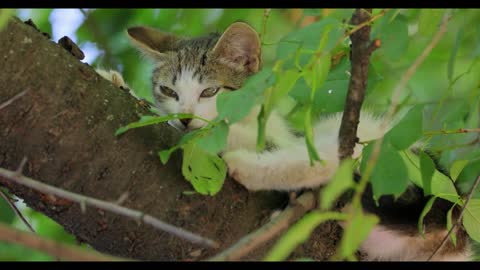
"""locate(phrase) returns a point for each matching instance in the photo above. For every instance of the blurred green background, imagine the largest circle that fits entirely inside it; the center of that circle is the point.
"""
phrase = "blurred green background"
(447, 83)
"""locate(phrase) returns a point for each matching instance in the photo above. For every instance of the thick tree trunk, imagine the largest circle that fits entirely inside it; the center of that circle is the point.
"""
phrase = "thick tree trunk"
(65, 126)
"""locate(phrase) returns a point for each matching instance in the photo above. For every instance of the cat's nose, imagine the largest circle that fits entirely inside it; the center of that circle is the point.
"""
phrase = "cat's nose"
(186, 121)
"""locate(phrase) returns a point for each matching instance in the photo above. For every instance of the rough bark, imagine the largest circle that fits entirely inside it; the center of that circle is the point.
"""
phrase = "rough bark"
(362, 49)
(65, 126)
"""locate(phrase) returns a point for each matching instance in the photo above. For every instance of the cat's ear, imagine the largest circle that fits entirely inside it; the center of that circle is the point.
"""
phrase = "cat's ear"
(150, 41)
(239, 47)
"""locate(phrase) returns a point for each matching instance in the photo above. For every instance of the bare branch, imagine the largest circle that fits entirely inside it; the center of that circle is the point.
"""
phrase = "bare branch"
(108, 206)
(59, 250)
(19, 170)
(15, 209)
(262, 235)
(459, 219)
(17, 96)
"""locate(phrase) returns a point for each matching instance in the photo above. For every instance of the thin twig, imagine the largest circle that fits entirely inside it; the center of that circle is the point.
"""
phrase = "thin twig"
(15, 209)
(51, 247)
(363, 24)
(262, 235)
(19, 170)
(266, 14)
(108, 206)
(459, 219)
(17, 96)
(454, 131)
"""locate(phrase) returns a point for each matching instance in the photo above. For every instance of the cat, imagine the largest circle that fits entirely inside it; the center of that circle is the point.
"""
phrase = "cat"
(189, 74)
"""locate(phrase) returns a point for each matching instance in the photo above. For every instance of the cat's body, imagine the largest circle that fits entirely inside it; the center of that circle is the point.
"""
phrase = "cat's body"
(189, 74)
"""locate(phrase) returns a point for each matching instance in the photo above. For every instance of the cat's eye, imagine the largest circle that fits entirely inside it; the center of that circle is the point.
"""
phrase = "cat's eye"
(168, 92)
(210, 92)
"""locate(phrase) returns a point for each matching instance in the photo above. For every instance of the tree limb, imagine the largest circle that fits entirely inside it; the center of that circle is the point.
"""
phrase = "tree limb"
(65, 125)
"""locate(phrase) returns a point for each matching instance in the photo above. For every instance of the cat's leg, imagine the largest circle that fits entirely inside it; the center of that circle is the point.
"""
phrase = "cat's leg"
(283, 169)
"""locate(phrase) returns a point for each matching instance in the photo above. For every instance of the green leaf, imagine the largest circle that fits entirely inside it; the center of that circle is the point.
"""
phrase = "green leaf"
(426, 209)
(356, 231)
(316, 76)
(6, 213)
(299, 233)
(314, 79)
(453, 55)
(147, 120)
(330, 97)
(187, 138)
(393, 34)
(341, 181)
(390, 175)
(206, 172)
(453, 236)
(215, 139)
(235, 105)
(441, 185)
(427, 167)
(428, 21)
(408, 130)
(309, 139)
(284, 83)
(457, 168)
(471, 219)
(308, 38)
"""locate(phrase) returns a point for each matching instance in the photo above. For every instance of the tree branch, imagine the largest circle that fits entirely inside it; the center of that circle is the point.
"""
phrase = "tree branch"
(58, 250)
(111, 207)
(268, 231)
(393, 107)
(362, 49)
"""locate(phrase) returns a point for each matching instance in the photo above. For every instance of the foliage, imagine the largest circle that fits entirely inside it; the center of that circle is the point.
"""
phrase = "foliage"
(306, 75)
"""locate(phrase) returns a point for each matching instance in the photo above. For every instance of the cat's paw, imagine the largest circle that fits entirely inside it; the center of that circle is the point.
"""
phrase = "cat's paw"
(117, 79)
(239, 163)
(114, 76)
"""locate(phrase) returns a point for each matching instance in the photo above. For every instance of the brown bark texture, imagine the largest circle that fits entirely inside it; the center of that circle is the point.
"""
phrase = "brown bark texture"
(64, 125)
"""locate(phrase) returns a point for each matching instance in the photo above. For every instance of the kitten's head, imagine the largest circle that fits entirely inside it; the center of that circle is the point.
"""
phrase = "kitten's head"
(190, 73)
